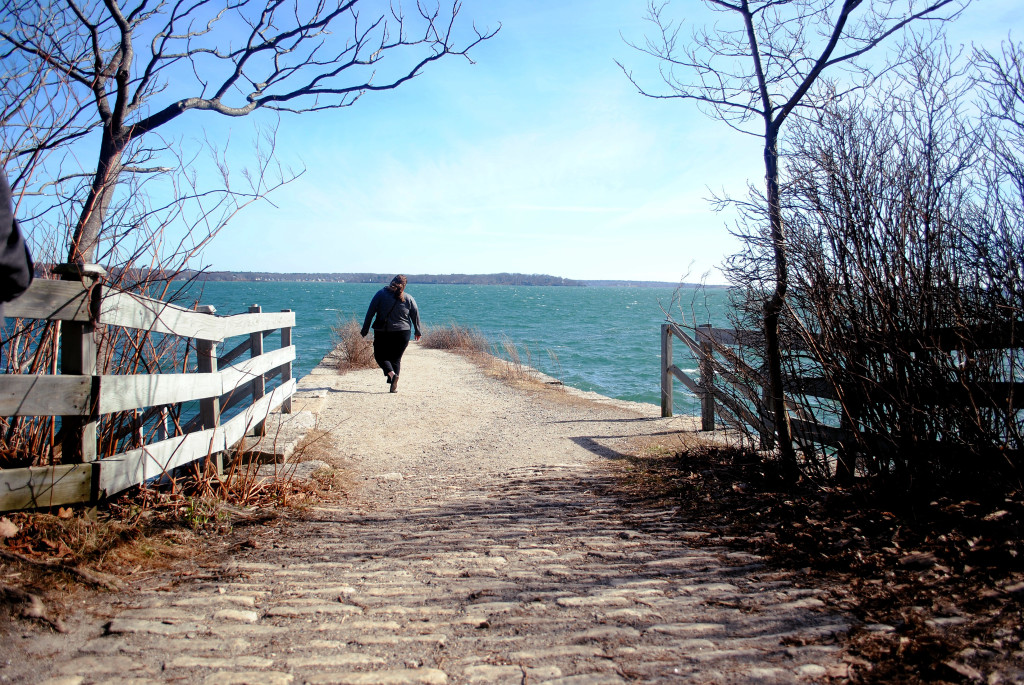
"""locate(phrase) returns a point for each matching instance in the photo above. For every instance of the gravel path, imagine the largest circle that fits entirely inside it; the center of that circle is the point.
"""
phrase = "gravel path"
(483, 544)
(450, 420)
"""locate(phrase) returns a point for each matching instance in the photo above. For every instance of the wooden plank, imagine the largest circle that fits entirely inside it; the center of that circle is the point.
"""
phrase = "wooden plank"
(244, 324)
(690, 342)
(259, 387)
(122, 471)
(812, 431)
(286, 370)
(244, 346)
(143, 313)
(732, 336)
(989, 394)
(246, 371)
(120, 393)
(739, 410)
(737, 383)
(236, 428)
(810, 387)
(125, 470)
(44, 486)
(45, 395)
(235, 397)
(53, 300)
(207, 363)
(690, 384)
(1008, 335)
(135, 311)
(78, 350)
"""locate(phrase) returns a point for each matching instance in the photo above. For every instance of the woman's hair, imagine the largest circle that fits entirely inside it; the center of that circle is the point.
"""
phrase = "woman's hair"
(398, 287)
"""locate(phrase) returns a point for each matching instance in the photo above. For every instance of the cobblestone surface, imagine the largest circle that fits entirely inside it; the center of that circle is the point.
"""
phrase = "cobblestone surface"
(520, 567)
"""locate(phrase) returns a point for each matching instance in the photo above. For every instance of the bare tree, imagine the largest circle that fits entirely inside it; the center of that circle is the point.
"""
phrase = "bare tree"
(904, 245)
(129, 68)
(754, 67)
(87, 91)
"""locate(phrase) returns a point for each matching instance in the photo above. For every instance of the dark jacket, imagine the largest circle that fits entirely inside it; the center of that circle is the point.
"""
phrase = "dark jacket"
(15, 262)
(391, 313)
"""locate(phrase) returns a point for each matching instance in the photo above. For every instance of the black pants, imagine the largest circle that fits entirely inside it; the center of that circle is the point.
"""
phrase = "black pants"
(388, 348)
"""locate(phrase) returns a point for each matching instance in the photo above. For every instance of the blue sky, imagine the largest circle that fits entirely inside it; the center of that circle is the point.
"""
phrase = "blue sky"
(539, 158)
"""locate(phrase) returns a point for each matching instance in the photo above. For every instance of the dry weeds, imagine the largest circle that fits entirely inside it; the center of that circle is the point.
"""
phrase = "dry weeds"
(937, 587)
(455, 338)
(351, 350)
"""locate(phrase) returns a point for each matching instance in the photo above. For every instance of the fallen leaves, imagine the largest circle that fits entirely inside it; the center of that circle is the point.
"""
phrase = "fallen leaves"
(938, 585)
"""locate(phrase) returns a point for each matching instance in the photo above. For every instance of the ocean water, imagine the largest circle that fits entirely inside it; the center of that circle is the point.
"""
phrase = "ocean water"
(604, 340)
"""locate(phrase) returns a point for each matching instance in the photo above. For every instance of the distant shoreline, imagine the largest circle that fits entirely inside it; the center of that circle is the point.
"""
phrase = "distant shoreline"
(515, 279)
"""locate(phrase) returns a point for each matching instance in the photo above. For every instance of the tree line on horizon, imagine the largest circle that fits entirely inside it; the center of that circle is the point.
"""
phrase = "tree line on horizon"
(441, 279)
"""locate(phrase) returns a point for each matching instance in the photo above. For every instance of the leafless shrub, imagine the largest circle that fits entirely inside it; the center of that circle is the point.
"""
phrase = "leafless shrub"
(455, 338)
(906, 279)
(759, 65)
(352, 350)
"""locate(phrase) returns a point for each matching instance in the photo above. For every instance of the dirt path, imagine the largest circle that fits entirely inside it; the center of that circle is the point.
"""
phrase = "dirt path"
(483, 544)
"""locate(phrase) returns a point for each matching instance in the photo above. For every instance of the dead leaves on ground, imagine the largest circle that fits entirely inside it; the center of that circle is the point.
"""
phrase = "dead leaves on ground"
(937, 584)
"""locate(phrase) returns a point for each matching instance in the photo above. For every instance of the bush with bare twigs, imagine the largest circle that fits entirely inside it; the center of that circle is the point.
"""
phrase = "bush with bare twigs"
(351, 350)
(455, 338)
(903, 207)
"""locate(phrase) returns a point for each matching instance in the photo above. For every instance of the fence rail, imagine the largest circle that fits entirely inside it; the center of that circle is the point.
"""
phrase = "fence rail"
(751, 384)
(79, 395)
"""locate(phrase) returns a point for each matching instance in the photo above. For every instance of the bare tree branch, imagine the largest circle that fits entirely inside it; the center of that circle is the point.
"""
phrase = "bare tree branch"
(293, 57)
(753, 71)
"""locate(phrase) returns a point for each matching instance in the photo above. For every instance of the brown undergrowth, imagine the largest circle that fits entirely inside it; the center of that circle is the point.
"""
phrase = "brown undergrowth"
(50, 557)
(935, 585)
(351, 350)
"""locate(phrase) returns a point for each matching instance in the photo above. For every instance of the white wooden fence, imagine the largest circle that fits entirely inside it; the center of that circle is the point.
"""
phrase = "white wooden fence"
(79, 395)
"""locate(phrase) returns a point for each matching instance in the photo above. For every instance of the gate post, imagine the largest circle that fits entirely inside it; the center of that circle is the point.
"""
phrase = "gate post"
(666, 372)
(286, 370)
(259, 385)
(78, 357)
(707, 378)
(209, 407)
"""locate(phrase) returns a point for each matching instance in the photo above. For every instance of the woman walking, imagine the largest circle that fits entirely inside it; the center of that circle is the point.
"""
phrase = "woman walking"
(396, 315)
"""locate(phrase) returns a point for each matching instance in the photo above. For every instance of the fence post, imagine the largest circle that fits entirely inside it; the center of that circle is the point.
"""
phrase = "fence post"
(78, 357)
(259, 385)
(766, 437)
(666, 370)
(707, 378)
(286, 370)
(209, 407)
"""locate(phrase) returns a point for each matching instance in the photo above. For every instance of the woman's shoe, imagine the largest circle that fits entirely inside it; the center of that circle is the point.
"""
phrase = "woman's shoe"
(394, 383)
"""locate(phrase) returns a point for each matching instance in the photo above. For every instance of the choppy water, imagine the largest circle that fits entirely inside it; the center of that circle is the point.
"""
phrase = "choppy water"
(601, 339)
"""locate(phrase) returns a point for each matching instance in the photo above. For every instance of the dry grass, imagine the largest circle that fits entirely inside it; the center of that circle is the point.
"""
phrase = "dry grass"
(503, 361)
(455, 338)
(47, 557)
(511, 364)
(351, 350)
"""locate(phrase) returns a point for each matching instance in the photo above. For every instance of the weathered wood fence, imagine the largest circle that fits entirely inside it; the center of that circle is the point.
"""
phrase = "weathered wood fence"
(79, 395)
(745, 399)
(712, 398)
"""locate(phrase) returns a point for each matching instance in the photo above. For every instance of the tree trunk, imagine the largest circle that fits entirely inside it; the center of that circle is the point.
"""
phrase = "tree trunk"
(773, 307)
(90, 222)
